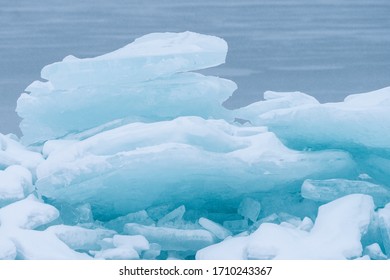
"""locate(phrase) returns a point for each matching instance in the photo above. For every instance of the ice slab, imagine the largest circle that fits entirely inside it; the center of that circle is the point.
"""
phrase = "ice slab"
(361, 120)
(328, 190)
(15, 184)
(78, 238)
(219, 231)
(140, 217)
(249, 208)
(148, 83)
(174, 215)
(196, 158)
(147, 58)
(173, 239)
(28, 213)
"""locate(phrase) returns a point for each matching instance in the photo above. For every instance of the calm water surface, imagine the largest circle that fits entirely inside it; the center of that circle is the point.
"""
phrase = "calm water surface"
(325, 48)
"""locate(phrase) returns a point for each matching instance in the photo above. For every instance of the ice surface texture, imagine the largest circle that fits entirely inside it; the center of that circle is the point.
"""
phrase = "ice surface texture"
(147, 80)
(130, 155)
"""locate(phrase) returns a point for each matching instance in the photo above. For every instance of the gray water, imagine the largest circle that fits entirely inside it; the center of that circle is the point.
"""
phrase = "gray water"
(328, 49)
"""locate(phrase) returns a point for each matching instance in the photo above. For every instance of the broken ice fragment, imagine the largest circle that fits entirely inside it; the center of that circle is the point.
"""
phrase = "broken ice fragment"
(328, 190)
(219, 231)
(173, 239)
(174, 215)
(249, 209)
(79, 238)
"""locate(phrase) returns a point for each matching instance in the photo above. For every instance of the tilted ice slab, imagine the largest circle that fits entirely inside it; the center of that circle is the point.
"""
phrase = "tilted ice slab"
(144, 81)
(179, 161)
(148, 57)
(336, 234)
(361, 121)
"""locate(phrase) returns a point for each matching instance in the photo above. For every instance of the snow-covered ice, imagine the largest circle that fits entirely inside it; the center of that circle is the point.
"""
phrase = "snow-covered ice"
(131, 155)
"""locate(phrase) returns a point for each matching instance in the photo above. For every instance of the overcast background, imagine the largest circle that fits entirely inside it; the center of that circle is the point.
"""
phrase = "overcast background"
(328, 49)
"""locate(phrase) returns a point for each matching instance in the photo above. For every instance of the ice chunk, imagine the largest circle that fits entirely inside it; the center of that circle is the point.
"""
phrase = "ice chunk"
(360, 121)
(140, 217)
(7, 249)
(28, 213)
(375, 252)
(79, 238)
(219, 231)
(148, 57)
(182, 154)
(176, 214)
(328, 190)
(249, 209)
(15, 184)
(14, 153)
(173, 239)
(130, 84)
(384, 225)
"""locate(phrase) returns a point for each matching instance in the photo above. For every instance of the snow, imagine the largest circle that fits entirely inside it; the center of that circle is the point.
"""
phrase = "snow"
(15, 184)
(336, 234)
(28, 213)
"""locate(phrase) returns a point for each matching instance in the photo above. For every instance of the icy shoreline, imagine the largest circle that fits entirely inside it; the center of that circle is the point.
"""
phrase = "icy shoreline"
(131, 155)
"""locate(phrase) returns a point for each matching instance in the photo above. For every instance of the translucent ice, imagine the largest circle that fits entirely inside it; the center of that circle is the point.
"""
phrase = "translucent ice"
(336, 234)
(249, 208)
(79, 238)
(144, 81)
(173, 239)
(328, 190)
(193, 157)
(219, 231)
(362, 120)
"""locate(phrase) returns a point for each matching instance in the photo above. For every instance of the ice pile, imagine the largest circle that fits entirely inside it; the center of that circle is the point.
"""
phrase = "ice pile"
(130, 155)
